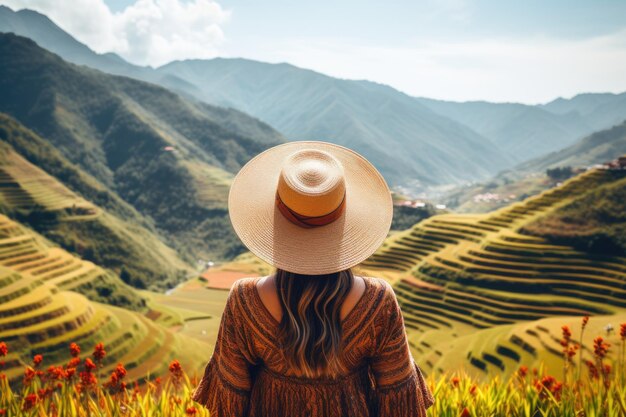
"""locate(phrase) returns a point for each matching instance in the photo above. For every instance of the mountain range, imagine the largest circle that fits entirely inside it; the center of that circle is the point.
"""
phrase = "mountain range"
(169, 158)
(411, 140)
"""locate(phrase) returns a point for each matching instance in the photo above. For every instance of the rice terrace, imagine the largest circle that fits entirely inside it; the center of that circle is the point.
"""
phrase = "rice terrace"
(120, 139)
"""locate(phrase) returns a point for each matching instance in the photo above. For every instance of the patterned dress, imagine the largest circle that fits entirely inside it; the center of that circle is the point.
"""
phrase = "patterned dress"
(248, 376)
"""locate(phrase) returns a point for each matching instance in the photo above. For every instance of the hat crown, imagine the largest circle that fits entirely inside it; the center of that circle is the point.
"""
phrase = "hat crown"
(311, 182)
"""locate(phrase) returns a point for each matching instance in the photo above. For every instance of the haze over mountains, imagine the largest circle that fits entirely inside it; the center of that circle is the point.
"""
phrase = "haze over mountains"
(412, 140)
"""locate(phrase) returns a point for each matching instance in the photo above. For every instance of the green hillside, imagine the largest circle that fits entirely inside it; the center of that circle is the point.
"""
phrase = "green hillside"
(43, 309)
(130, 247)
(168, 157)
(479, 295)
(593, 222)
(596, 148)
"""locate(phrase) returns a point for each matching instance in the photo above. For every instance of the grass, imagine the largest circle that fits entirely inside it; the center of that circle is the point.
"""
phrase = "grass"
(82, 387)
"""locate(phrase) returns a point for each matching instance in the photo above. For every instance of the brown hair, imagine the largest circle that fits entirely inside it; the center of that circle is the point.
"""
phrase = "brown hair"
(310, 328)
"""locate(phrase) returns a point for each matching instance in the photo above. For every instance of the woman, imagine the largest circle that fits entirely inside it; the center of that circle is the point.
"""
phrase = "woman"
(312, 339)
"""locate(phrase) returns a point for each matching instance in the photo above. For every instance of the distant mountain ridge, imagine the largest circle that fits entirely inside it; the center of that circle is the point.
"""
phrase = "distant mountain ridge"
(404, 139)
(431, 142)
(170, 158)
(596, 148)
(522, 130)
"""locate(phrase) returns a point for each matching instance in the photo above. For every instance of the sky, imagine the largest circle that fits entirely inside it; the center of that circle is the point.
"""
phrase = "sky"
(529, 51)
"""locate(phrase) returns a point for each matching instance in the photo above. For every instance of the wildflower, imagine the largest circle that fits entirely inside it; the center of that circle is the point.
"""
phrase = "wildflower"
(4, 349)
(37, 359)
(585, 321)
(123, 386)
(69, 373)
(3, 412)
(56, 372)
(600, 348)
(157, 381)
(89, 365)
(99, 353)
(74, 350)
(29, 401)
(567, 336)
(29, 375)
(622, 332)
(73, 363)
(522, 371)
(191, 411)
(120, 371)
(455, 381)
(175, 367)
(87, 379)
(465, 413)
(473, 389)
(593, 371)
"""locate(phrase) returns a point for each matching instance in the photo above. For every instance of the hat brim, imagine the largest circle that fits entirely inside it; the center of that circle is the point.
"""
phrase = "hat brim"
(342, 244)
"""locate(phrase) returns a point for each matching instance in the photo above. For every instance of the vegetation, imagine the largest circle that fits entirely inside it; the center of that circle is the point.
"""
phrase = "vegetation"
(37, 199)
(594, 221)
(168, 157)
(81, 388)
(560, 173)
(405, 217)
(479, 296)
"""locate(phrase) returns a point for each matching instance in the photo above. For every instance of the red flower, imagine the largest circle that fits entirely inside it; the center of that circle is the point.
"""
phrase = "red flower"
(157, 380)
(473, 389)
(73, 363)
(120, 371)
(522, 371)
(622, 332)
(191, 411)
(593, 371)
(600, 348)
(87, 379)
(585, 321)
(74, 350)
(56, 372)
(4, 349)
(175, 367)
(99, 353)
(3, 412)
(29, 401)
(89, 365)
(123, 385)
(465, 413)
(37, 360)
(455, 381)
(29, 375)
(69, 373)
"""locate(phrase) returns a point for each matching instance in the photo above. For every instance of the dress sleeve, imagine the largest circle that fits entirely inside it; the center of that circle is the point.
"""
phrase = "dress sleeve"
(225, 386)
(401, 390)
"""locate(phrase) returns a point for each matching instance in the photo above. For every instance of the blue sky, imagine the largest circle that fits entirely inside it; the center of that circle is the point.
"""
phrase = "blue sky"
(526, 51)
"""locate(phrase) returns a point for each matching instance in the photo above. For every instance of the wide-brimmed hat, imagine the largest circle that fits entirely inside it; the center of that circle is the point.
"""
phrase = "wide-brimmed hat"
(310, 207)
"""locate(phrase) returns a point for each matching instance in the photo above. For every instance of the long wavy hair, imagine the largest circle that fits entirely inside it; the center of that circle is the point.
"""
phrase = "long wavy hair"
(310, 328)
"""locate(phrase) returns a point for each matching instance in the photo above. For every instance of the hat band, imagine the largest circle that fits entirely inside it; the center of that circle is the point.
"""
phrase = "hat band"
(309, 222)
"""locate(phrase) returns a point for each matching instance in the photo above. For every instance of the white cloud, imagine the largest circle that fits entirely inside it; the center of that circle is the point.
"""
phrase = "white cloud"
(530, 70)
(148, 32)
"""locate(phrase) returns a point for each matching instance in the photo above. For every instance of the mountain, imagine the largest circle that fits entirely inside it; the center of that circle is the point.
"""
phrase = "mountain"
(172, 159)
(113, 235)
(600, 110)
(404, 139)
(523, 131)
(400, 136)
(596, 148)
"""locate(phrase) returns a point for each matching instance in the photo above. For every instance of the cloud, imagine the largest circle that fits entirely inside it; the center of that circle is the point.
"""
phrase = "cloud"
(148, 32)
(530, 69)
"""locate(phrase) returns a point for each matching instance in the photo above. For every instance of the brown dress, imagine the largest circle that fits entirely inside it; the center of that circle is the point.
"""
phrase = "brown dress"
(247, 375)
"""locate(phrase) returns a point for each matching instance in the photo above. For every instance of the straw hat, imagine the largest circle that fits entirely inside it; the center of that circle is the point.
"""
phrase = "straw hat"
(310, 207)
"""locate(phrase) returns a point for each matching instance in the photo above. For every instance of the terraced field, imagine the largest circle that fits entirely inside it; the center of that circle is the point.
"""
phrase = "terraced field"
(39, 311)
(476, 294)
(25, 186)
